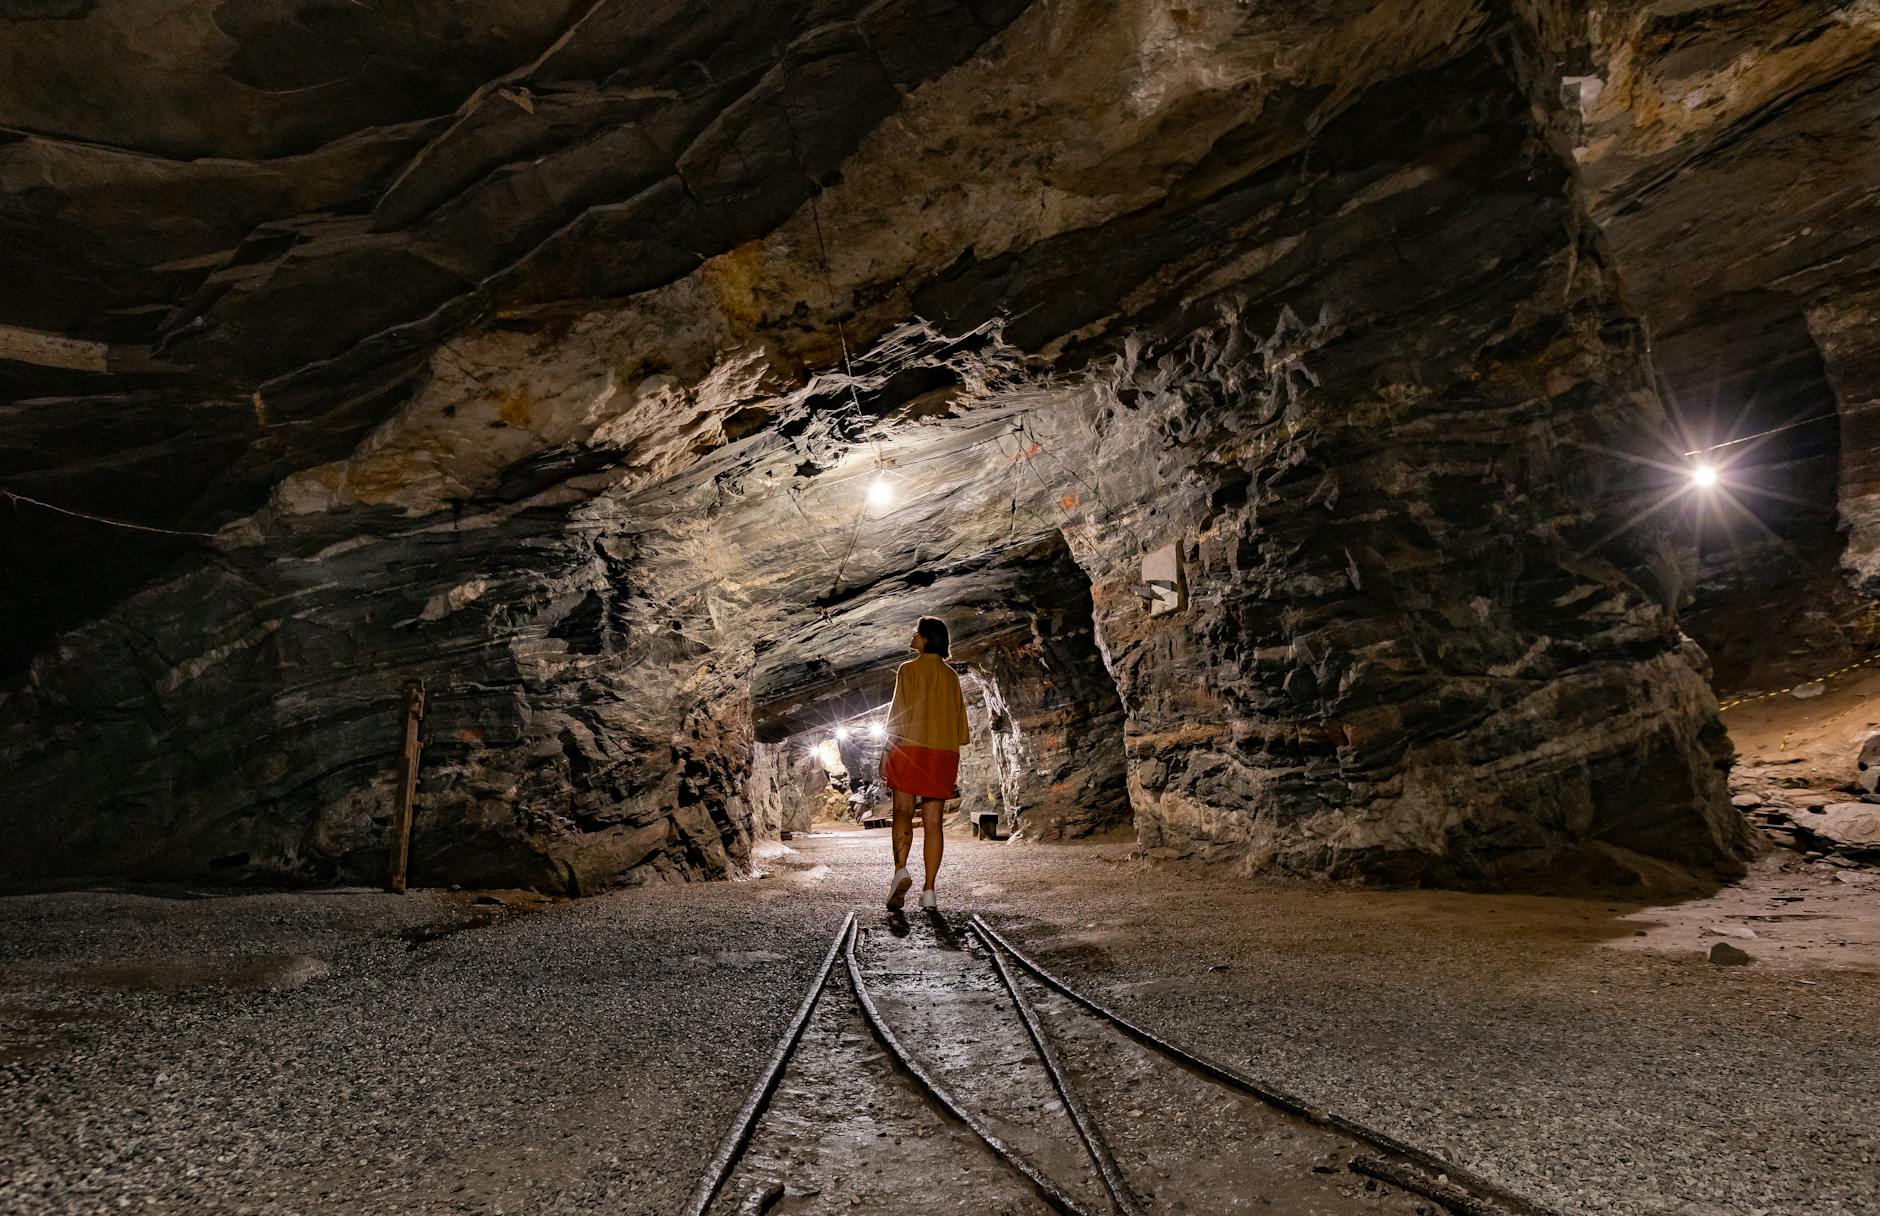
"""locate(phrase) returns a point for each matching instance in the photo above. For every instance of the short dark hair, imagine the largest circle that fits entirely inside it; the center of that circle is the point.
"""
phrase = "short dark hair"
(934, 630)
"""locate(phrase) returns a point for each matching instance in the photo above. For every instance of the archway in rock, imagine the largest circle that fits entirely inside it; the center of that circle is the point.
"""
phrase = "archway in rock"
(1725, 213)
(1047, 760)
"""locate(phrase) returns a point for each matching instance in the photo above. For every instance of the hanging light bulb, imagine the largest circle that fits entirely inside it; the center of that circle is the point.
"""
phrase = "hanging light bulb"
(880, 493)
(1704, 476)
(877, 731)
(842, 733)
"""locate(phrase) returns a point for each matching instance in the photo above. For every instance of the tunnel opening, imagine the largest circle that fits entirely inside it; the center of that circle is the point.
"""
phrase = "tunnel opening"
(1757, 417)
(1046, 761)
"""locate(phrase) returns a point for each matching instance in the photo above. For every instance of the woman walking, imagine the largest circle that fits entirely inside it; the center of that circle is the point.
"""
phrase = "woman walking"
(926, 729)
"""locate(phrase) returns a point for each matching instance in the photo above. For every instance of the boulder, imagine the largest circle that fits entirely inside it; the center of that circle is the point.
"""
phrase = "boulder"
(1852, 828)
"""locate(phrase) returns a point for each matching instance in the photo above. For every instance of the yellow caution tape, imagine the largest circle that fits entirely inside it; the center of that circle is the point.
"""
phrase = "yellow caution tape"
(1839, 671)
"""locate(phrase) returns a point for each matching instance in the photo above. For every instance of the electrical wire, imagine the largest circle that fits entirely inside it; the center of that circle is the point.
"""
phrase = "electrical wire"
(102, 519)
(1774, 430)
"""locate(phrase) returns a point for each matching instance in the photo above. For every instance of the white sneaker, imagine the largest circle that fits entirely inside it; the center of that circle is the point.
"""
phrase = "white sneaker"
(897, 887)
(928, 901)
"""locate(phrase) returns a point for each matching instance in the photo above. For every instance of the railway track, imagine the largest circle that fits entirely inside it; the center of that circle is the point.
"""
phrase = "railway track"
(933, 1067)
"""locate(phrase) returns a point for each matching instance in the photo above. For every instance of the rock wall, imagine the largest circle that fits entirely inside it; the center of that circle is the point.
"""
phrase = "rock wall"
(242, 720)
(1053, 737)
(1728, 152)
(1313, 294)
(787, 785)
(1847, 327)
(1417, 646)
(982, 772)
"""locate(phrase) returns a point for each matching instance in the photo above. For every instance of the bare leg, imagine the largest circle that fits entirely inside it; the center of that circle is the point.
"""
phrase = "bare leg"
(933, 842)
(903, 830)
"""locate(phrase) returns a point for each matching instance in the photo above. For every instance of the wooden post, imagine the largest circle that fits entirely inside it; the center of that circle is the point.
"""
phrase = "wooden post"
(407, 786)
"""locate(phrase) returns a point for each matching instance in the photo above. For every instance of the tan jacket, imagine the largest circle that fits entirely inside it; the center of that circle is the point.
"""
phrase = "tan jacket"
(929, 709)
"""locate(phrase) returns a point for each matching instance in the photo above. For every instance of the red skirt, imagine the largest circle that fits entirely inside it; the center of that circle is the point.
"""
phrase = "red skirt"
(925, 772)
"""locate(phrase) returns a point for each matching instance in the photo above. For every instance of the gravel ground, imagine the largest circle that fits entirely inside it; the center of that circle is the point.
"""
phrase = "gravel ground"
(357, 1052)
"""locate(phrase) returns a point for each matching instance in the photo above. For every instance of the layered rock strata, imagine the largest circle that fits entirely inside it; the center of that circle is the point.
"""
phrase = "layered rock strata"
(240, 721)
(1311, 296)
(1732, 159)
(788, 785)
(1054, 724)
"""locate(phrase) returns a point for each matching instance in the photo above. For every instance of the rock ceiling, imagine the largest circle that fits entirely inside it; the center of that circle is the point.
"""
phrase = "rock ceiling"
(548, 351)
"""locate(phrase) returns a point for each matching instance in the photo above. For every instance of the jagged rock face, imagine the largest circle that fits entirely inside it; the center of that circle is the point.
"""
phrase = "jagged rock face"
(1415, 646)
(1730, 153)
(1053, 739)
(240, 719)
(570, 404)
(787, 784)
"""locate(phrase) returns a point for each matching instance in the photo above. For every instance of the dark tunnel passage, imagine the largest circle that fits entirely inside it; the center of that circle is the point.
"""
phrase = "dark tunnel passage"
(1047, 758)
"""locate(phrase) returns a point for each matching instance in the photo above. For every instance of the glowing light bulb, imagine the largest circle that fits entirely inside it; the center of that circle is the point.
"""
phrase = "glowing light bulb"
(842, 732)
(1704, 476)
(877, 731)
(880, 493)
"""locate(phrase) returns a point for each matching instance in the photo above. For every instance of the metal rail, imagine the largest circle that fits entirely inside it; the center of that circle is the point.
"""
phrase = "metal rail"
(1114, 1179)
(1413, 1169)
(733, 1145)
(1048, 1190)
(1489, 1199)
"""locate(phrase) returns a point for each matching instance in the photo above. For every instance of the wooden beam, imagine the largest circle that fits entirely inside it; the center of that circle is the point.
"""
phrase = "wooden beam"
(407, 786)
(51, 350)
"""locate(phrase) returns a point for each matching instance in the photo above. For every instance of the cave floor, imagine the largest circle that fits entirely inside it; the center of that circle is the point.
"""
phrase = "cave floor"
(356, 1052)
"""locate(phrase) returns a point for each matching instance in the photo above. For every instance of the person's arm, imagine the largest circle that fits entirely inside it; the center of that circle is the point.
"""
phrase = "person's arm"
(897, 708)
(959, 716)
